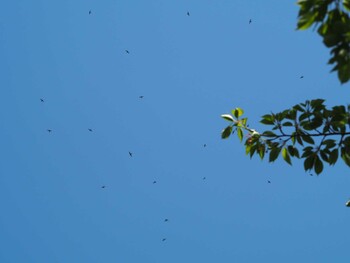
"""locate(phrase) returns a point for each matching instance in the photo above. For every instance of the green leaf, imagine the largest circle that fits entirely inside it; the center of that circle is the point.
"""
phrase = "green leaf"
(240, 134)
(333, 157)
(268, 134)
(287, 123)
(274, 153)
(237, 112)
(261, 151)
(329, 143)
(346, 4)
(226, 132)
(286, 156)
(324, 156)
(309, 163)
(227, 117)
(344, 72)
(308, 139)
(306, 20)
(318, 165)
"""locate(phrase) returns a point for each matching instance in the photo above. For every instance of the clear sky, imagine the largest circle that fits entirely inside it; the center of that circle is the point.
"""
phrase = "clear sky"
(190, 70)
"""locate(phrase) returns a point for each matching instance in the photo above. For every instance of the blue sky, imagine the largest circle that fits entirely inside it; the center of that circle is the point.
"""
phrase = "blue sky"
(190, 70)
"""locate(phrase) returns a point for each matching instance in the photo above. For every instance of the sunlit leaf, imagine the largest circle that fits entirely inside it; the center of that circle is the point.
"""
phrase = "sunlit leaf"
(227, 117)
(286, 156)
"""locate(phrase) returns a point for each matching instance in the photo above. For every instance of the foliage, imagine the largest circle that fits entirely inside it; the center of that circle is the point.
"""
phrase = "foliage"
(323, 134)
(332, 20)
(308, 130)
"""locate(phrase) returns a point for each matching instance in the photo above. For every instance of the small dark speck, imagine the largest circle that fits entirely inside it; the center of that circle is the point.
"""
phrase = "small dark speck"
(250, 21)
(166, 220)
(204, 145)
(269, 182)
(49, 130)
(127, 51)
(130, 153)
(42, 100)
(188, 13)
(141, 97)
(90, 130)
(204, 178)
(154, 182)
(301, 77)
(103, 186)
(90, 12)
(163, 239)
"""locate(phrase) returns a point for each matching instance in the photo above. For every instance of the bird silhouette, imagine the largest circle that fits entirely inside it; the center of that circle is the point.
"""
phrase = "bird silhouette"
(130, 153)
(141, 97)
(268, 181)
(90, 12)
(301, 77)
(103, 186)
(188, 13)
(49, 130)
(127, 51)
(42, 100)
(90, 130)
(166, 220)
(347, 203)
(204, 145)
(163, 239)
(154, 182)
(250, 21)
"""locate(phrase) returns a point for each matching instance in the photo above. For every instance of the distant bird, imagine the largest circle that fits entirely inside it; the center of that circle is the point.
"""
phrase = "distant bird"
(90, 130)
(141, 97)
(42, 100)
(204, 178)
(154, 182)
(204, 145)
(163, 239)
(90, 12)
(250, 21)
(268, 181)
(166, 220)
(127, 51)
(301, 77)
(130, 153)
(188, 13)
(49, 130)
(103, 186)
(347, 203)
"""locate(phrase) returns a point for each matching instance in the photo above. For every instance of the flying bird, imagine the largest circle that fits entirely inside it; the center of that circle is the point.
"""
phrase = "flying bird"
(127, 51)
(49, 130)
(166, 220)
(188, 13)
(90, 130)
(103, 186)
(90, 12)
(154, 182)
(42, 100)
(141, 97)
(204, 145)
(250, 21)
(163, 239)
(204, 178)
(130, 153)
(301, 77)
(268, 181)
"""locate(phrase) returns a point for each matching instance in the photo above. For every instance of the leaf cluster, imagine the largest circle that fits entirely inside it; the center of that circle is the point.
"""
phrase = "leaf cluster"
(306, 131)
(331, 17)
